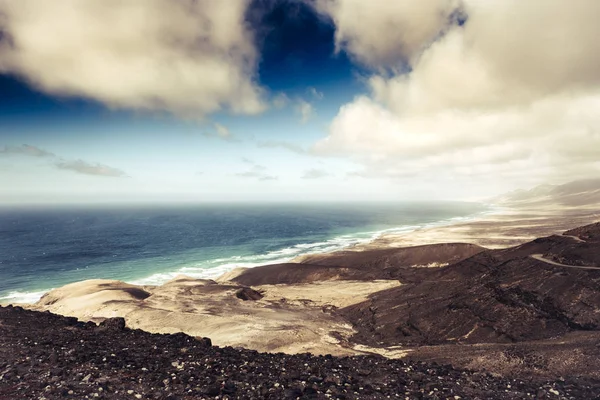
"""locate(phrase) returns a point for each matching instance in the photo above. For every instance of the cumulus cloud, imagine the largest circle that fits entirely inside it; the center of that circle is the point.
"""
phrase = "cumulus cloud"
(186, 57)
(272, 144)
(220, 132)
(256, 171)
(315, 174)
(78, 166)
(315, 93)
(485, 66)
(305, 109)
(26, 150)
(256, 174)
(254, 165)
(86, 168)
(268, 178)
(381, 33)
(501, 95)
(280, 101)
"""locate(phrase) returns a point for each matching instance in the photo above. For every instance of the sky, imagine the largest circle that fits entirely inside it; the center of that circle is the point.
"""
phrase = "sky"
(109, 101)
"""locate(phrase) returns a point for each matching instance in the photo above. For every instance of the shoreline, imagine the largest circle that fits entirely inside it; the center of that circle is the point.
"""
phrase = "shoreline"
(499, 227)
(337, 242)
(506, 227)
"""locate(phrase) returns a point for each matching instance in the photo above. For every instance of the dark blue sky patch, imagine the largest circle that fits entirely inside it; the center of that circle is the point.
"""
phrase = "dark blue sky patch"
(297, 47)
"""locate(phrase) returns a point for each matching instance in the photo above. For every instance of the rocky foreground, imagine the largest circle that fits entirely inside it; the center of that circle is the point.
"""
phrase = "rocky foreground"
(46, 356)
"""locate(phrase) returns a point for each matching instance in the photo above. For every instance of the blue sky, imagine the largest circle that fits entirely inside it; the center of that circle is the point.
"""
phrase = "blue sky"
(289, 100)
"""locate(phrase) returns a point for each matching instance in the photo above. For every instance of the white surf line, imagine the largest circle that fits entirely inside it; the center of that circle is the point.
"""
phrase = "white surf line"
(540, 257)
(575, 238)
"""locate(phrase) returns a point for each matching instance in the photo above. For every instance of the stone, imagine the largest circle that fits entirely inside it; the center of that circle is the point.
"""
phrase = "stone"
(117, 323)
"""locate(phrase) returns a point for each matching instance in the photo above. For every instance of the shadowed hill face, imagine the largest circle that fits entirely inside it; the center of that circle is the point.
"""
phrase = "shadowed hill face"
(445, 253)
(499, 296)
(361, 265)
(577, 247)
(573, 194)
(290, 273)
(589, 233)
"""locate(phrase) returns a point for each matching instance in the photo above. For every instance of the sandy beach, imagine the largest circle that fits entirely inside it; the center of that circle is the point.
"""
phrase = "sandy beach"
(283, 318)
(502, 228)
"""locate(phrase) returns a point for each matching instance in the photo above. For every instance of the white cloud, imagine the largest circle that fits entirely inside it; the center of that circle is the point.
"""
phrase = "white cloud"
(26, 150)
(381, 33)
(187, 57)
(273, 144)
(79, 166)
(315, 93)
(86, 168)
(315, 174)
(268, 178)
(256, 171)
(513, 94)
(486, 66)
(256, 174)
(305, 109)
(280, 101)
(254, 165)
(222, 132)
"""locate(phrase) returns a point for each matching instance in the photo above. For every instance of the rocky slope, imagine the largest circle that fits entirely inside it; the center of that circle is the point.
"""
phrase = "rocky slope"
(499, 296)
(589, 233)
(502, 300)
(578, 194)
(404, 264)
(45, 356)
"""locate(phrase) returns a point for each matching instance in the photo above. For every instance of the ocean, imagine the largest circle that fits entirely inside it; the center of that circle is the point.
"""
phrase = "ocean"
(41, 249)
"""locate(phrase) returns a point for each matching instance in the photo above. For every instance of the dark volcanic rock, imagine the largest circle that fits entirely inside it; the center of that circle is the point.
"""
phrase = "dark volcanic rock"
(397, 258)
(290, 273)
(588, 233)
(497, 296)
(574, 354)
(359, 265)
(248, 294)
(45, 356)
(204, 341)
(117, 324)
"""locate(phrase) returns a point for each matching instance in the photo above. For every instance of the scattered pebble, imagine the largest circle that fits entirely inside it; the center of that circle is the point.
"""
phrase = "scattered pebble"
(98, 369)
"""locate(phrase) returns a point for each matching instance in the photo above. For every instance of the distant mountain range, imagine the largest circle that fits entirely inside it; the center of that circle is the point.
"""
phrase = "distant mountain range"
(581, 193)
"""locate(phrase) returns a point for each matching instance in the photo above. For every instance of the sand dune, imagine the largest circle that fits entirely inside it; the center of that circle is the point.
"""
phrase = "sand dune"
(288, 318)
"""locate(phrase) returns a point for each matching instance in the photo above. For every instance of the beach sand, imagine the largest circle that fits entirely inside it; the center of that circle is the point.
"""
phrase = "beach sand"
(503, 228)
(288, 318)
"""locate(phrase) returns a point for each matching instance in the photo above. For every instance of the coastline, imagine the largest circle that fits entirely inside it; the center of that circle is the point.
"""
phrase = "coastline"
(155, 271)
(505, 227)
(502, 227)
